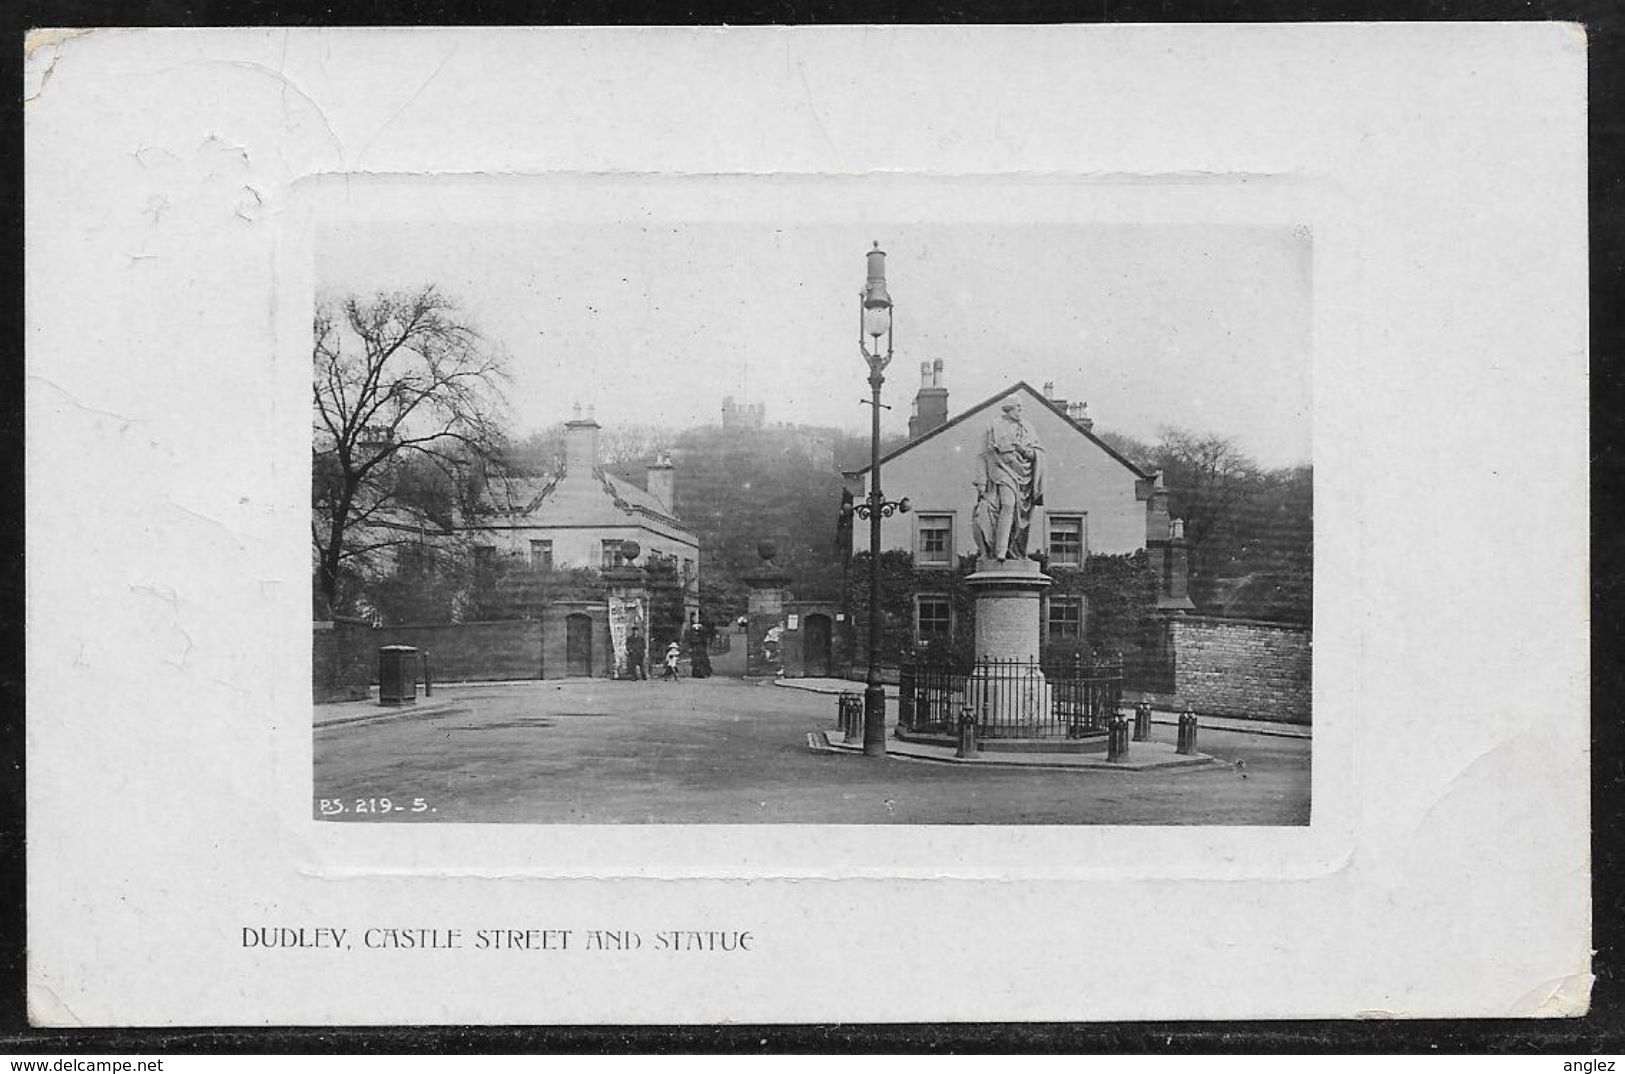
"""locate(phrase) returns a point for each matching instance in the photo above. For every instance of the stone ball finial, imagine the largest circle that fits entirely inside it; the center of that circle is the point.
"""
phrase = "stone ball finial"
(767, 550)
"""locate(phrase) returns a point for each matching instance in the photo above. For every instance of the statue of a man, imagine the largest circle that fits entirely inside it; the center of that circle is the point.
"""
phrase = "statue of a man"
(1013, 467)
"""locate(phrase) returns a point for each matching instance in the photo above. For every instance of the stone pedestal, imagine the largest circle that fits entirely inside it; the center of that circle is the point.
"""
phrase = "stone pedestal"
(1007, 608)
(1006, 688)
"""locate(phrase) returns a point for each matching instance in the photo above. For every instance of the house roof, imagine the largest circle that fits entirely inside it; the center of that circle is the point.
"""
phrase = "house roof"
(594, 500)
(639, 499)
(520, 495)
(988, 402)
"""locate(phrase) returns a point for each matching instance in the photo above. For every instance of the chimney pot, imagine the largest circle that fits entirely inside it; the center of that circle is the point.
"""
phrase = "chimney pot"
(930, 402)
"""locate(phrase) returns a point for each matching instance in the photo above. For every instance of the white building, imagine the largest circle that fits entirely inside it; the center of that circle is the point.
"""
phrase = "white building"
(583, 516)
(1096, 501)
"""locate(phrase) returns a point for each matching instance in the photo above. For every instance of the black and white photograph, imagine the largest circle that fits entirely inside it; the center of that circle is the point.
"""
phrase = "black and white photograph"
(594, 512)
(836, 525)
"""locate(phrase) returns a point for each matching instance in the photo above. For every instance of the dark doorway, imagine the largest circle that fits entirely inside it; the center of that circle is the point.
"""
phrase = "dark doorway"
(578, 644)
(815, 646)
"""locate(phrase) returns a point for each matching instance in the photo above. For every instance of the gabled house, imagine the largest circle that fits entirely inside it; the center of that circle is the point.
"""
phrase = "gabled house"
(522, 617)
(1097, 502)
(583, 516)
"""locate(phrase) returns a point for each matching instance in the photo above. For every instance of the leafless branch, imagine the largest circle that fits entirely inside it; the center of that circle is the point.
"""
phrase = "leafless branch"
(396, 376)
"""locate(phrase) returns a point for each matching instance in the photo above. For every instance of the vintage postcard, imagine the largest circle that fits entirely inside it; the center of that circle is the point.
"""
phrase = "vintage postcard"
(773, 524)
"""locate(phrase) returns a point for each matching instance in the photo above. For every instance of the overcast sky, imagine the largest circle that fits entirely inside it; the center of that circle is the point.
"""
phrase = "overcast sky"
(1206, 327)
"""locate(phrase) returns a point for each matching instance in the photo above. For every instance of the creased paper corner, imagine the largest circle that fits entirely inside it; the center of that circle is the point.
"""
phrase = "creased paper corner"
(1560, 997)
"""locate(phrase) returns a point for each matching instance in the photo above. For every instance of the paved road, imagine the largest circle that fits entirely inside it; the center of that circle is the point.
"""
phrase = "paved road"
(732, 751)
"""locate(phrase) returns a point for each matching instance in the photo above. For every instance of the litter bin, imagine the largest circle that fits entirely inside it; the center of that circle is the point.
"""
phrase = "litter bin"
(397, 675)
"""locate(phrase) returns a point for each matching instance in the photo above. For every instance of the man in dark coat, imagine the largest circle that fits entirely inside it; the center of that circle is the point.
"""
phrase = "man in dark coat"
(699, 650)
(634, 654)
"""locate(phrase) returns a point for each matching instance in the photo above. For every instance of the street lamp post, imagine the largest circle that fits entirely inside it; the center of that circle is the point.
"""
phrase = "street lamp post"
(874, 321)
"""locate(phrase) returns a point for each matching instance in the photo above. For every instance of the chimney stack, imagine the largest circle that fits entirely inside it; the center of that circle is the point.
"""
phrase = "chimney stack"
(931, 402)
(661, 481)
(580, 446)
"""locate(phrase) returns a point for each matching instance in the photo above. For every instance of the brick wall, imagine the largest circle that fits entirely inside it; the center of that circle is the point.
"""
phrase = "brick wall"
(555, 639)
(470, 652)
(344, 663)
(1242, 667)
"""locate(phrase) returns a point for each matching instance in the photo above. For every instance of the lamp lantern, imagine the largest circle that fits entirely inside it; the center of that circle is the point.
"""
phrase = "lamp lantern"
(875, 304)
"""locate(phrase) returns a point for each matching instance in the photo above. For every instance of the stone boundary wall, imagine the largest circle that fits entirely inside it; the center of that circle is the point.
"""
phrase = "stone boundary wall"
(555, 638)
(1243, 667)
(470, 652)
(343, 659)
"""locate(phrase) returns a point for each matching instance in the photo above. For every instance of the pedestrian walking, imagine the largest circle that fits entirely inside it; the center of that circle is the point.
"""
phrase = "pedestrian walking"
(670, 673)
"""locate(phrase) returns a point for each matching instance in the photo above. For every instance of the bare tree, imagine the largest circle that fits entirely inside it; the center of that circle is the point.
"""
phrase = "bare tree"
(1209, 479)
(407, 399)
(1131, 448)
(1208, 474)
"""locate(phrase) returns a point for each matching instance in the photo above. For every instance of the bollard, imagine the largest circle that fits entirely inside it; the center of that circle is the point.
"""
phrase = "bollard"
(852, 718)
(1117, 737)
(967, 732)
(428, 682)
(1142, 722)
(1187, 731)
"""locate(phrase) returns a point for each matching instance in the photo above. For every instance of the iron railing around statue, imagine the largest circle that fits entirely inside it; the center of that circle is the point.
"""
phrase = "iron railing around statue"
(1011, 698)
